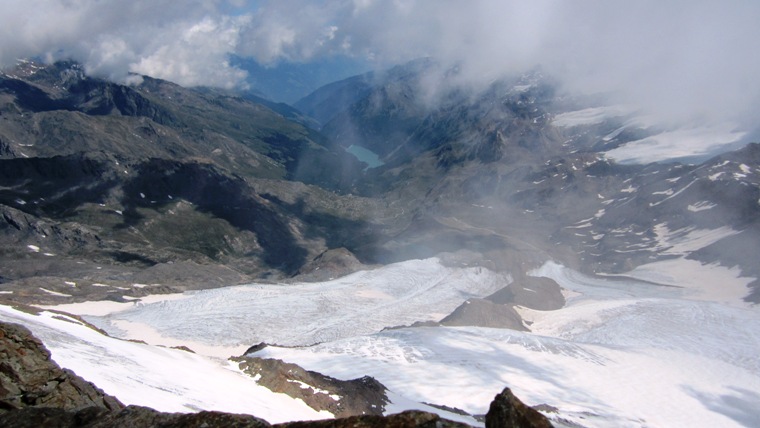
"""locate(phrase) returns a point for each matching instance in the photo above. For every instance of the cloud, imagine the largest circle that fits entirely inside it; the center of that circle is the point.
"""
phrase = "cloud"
(186, 42)
(194, 54)
(680, 60)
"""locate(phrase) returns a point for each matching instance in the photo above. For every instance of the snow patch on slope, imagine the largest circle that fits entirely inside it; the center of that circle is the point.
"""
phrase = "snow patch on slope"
(686, 240)
(589, 116)
(701, 206)
(705, 282)
(671, 145)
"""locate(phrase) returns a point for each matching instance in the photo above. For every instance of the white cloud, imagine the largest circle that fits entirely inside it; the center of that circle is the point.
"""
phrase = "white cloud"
(194, 54)
(678, 59)
(186, 42)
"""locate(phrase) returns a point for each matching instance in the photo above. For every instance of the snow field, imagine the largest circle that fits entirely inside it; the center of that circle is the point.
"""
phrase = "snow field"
(165, 379)
(680, 143)
(467, 367)
(306, 313)
(622, 352)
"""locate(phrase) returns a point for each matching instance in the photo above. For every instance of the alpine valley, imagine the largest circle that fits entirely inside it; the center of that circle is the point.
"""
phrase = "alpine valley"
(393, 241)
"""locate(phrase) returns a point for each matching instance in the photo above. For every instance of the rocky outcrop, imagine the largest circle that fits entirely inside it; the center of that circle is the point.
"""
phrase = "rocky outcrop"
(482, 313)
(342, 398)
(330, 264)
(507, 411)
(543, 294)
(29, 378)
(498, 309)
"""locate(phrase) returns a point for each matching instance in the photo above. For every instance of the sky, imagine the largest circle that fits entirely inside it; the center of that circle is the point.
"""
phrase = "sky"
(681, 59)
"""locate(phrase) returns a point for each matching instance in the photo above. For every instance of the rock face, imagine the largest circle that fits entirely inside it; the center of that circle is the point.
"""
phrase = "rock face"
(139, 417)
(29, 378)
(363, 396)
(507, 411)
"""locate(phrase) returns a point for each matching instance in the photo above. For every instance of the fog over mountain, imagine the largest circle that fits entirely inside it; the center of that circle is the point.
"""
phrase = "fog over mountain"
(302, 210)
(680, 60)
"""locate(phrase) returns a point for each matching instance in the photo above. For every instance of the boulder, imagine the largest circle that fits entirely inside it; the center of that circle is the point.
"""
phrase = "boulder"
(507, 411)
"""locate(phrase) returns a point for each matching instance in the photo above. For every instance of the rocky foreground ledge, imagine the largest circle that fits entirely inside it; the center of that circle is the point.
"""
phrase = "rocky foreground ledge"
(35, 392)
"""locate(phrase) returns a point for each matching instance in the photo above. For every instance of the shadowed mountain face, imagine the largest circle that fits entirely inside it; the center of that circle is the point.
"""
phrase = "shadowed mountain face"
(161, 183)
(125, 178)
(57, 110)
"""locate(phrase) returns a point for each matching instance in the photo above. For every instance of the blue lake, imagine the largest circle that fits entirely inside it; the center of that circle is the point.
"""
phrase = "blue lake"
(365, 155)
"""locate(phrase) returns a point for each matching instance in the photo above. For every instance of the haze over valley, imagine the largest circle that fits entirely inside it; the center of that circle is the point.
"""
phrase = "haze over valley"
(304, 211)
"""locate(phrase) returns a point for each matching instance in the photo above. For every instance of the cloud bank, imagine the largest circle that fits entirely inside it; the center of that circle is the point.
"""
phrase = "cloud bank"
(684, 60)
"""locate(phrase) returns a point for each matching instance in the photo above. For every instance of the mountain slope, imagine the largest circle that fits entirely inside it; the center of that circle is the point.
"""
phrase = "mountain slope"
(520, 173)
(507, 176)
(123, 178)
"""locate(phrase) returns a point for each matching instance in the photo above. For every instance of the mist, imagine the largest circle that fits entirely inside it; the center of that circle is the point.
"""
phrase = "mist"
(681, 61)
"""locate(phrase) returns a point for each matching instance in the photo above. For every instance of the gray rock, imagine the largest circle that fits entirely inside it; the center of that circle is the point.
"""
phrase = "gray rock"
(543, 294)
(483, 313)
(507, 411)
(130, 417)
(29, 378)
(342, 398)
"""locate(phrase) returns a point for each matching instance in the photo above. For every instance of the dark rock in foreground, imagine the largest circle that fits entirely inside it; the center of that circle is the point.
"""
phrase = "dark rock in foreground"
(132, 416)
(29, 378)
(507, 411)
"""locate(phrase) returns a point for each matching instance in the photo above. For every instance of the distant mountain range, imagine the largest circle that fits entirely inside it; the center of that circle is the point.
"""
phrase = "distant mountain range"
(518, 173)
(156, 183)
(287, 82)
(545, 241)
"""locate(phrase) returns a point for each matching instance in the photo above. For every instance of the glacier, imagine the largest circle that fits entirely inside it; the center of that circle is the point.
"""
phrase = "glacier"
(624, 351)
